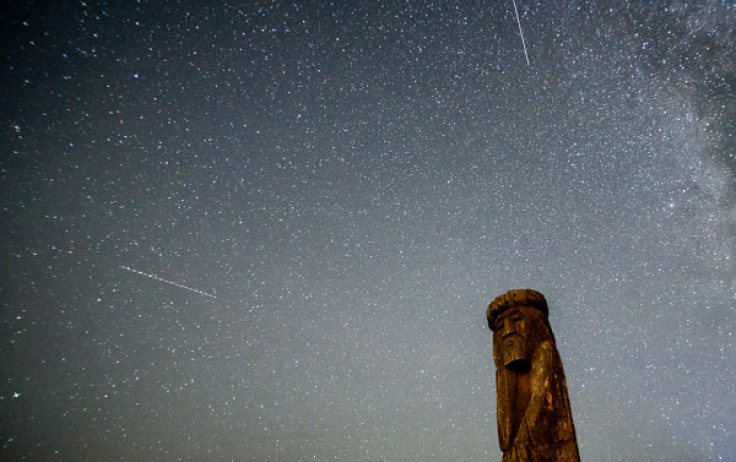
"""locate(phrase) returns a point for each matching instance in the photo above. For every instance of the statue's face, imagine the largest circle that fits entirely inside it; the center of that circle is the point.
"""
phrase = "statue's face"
(512, 332)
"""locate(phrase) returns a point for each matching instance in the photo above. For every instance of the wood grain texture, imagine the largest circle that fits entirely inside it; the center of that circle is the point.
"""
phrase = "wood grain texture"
(534, 418)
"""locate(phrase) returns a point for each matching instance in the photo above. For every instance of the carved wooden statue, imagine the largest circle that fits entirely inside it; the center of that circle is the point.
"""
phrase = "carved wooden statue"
(534, 418)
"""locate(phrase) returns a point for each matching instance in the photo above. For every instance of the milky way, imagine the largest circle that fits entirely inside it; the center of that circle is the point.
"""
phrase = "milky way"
(363, 178)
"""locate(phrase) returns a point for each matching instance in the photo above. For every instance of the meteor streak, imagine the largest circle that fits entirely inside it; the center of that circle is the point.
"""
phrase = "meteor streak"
(520, 32)
(153, 276)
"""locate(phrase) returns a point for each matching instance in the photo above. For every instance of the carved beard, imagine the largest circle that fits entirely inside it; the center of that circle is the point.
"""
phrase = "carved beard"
(515, 352)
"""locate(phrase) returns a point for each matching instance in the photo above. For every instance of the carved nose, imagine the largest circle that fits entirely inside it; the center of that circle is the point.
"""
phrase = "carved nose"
(508, 328)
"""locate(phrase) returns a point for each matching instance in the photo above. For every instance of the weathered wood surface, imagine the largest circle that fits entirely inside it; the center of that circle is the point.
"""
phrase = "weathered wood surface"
(534, 418)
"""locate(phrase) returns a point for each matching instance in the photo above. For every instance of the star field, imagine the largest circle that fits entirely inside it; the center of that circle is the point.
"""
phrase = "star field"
(269, 231)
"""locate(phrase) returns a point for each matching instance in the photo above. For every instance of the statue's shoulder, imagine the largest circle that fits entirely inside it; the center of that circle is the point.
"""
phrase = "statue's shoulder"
(546, 347)
(546, 353)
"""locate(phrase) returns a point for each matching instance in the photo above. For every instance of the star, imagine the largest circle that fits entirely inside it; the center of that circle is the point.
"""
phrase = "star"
(324, 230)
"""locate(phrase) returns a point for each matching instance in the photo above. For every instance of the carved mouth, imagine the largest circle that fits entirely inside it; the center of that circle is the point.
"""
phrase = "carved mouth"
(519, 365)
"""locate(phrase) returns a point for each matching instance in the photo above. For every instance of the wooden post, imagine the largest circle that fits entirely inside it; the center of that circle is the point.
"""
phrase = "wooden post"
(534, 417)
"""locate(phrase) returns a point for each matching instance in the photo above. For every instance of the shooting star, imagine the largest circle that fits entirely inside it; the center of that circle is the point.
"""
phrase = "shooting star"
(153, 276)
(520, 32)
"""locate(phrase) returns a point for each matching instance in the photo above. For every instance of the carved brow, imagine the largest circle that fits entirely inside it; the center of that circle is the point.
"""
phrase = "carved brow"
(513, 312)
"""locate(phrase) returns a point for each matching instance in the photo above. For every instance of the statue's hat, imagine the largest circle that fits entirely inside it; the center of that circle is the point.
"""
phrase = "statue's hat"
(512, 298)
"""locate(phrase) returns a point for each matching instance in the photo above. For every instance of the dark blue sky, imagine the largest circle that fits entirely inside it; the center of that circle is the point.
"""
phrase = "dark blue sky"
(355, 182)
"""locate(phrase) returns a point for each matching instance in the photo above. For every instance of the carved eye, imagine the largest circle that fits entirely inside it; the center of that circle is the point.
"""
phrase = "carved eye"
(499, 323)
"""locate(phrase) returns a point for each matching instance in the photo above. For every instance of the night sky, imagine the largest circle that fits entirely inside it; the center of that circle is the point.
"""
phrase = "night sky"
(269, 231)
